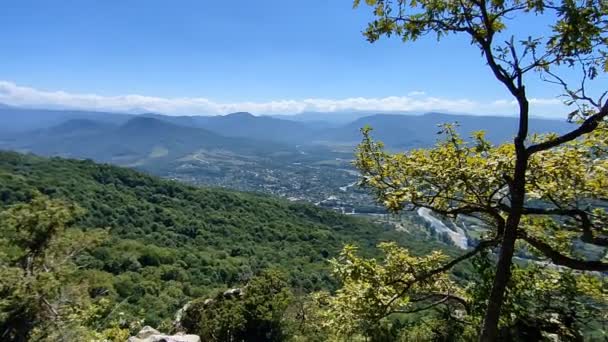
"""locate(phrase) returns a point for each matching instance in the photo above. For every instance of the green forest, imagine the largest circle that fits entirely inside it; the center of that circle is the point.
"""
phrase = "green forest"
(96, 252)
(165, 243)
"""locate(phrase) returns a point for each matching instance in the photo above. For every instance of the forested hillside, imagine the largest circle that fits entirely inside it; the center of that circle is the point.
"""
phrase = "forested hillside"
(169, 242)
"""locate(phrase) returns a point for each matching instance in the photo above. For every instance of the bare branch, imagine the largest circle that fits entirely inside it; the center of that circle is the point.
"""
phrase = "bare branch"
(564, 260)
(480, 247)
(446, 296)
(575, 213)
(588, 126)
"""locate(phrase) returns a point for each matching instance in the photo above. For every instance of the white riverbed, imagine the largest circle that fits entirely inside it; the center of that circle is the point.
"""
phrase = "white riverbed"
(458, 237)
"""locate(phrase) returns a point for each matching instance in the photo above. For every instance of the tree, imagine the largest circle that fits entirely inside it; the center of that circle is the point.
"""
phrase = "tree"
(542, 300)
(546, 191)
(42, 297)
(256, 312)
(407, 298)
(372, 291)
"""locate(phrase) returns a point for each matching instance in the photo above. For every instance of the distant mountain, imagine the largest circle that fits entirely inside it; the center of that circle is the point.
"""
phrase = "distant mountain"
(137, 142)
(258, 127)
(243, 151)
(181, 120)
(13, 119)
(411, 131)
(78, 126)
(55, 131)
(333, 119)
(247, 125)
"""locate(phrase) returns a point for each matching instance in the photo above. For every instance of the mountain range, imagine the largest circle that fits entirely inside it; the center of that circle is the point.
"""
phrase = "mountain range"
(139, 140)
(306, 158)
(399, 131)
(14, 119)
(413, 131)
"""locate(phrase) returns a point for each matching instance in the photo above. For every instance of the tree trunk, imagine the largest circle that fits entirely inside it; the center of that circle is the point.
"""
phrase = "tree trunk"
(517, 187)
(489, 331)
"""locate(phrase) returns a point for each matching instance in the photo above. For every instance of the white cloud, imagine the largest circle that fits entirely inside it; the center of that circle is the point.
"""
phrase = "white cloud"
(415, 101)
(546, 102)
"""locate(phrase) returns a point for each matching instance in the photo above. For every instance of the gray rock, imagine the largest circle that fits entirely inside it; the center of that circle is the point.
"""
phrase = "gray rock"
(233, 293)
(148, 334)
(177, 322)
(147, 331)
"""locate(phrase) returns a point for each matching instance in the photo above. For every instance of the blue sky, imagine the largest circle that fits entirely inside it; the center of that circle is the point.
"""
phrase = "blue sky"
(210, 57)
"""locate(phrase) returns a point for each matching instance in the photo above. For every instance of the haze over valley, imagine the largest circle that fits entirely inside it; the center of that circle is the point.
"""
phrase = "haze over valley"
(306, 157)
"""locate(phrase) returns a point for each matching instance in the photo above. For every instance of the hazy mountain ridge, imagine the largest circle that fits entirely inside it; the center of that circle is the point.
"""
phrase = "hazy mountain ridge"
(297, 160)
(246, 125)
(16, 119)
(400, 131)
(412, 131)
(133, 142)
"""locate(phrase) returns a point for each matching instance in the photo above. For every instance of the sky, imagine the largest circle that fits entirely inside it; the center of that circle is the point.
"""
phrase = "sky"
(201, 57)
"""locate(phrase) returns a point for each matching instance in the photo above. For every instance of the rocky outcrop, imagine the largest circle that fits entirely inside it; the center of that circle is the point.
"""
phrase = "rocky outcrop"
(233, 293)
(148, 334)
(228, 294)
(189, 315)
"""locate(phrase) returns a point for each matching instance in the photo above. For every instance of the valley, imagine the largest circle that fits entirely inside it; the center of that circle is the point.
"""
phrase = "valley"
(188, 234)
(304, 171)
(300, 160)
(181, 242)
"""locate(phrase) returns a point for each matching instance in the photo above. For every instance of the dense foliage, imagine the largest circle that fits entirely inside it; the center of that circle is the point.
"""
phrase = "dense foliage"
(257, 312)
(403, 298)
(567, 47)
(41, 292)
(169, 243)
